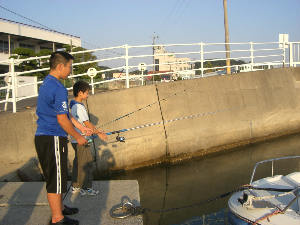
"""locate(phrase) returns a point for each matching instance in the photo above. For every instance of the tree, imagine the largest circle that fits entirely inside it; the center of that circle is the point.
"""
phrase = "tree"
(83, 57)
(24, 53)
(135, 72)
(108, 74)
(217, 63)
(208, 65)
(157, 78)
(138, 72)
(43, 63)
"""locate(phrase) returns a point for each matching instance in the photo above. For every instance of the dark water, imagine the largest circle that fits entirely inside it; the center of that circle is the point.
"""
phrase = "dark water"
(186, 183)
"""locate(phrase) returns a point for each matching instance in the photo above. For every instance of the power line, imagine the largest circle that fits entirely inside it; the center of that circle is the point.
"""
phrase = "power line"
(174, 19)
(26, 18)
(114, 52)
(175, 14)
(41, 24)
(168, 15)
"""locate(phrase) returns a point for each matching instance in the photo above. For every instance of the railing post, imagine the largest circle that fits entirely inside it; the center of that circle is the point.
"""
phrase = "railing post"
(291, 55)
(252, 60)
(127, 66)
(13, 84)
(283, 48)
(201, 59)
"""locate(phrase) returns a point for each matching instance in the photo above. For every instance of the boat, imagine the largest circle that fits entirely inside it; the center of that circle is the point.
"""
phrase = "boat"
(269, 201)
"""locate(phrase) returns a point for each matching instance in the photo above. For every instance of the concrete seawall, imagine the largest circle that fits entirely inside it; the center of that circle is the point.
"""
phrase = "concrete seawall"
(231, 110)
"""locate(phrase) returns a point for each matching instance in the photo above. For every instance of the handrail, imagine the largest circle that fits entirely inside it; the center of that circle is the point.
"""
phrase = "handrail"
(289, 205)
(124, 58)
(270, 160)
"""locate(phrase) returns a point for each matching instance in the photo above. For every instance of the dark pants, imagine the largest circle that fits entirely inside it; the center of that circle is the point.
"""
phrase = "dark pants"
(52, 152)
(82, 176)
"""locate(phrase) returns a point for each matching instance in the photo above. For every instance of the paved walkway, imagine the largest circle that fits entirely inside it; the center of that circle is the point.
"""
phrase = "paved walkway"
(26, 202)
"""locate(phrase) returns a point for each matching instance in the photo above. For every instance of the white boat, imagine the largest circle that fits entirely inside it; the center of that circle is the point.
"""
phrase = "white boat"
(269, 201)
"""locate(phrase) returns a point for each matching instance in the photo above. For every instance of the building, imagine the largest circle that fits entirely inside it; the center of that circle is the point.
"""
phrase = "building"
(119, 75)
(168, 62)
(32, 37)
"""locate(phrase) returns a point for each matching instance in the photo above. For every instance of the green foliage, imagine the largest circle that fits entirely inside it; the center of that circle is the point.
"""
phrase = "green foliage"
(83, 57)
(157, 78)
(43, 63)
(109, 74)
(135, 72)
(208, 65)
(217, 63)
(24, 53)
(138, 72)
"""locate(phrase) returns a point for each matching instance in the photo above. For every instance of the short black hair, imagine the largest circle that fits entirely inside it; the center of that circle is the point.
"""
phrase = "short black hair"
(80, 86)
(59, 57)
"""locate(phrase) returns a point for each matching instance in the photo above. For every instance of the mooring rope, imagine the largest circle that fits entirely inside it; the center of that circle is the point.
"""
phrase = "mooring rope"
(139, 210)
(23, 204)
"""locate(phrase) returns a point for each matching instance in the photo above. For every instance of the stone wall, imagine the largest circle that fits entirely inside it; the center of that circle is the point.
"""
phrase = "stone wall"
(213, 113)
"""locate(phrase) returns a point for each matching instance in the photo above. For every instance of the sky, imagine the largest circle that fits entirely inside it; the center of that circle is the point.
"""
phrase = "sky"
(109, 23)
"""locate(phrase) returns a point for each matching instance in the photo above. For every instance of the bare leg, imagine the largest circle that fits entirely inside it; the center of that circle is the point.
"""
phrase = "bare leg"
(55, 202)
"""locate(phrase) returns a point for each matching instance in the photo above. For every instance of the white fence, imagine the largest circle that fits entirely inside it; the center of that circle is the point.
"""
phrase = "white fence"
(258, 56)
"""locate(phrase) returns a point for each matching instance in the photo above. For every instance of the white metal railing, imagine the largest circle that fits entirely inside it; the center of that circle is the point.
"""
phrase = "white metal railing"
(258, 56)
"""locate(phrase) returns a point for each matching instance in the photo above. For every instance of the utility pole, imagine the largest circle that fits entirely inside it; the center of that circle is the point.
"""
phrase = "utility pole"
(228, 69)
(153, 54)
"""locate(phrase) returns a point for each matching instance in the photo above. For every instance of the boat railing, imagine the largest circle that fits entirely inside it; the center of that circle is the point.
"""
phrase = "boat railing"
(269, 160)
(289, 205)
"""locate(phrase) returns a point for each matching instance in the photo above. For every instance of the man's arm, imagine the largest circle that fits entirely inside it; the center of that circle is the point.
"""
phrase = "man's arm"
(66, 124)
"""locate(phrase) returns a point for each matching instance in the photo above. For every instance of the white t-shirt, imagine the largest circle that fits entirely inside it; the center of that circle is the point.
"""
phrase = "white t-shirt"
(79, 113)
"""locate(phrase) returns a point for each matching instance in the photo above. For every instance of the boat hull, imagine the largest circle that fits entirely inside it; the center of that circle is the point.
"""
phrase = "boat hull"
(265, 209)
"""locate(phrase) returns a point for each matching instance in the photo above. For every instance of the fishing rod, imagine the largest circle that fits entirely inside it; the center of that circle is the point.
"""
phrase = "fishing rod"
(145, 107)
(122, 139)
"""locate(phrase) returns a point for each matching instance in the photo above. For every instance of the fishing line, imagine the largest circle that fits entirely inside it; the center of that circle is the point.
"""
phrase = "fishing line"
(152, 124)
(146, 107)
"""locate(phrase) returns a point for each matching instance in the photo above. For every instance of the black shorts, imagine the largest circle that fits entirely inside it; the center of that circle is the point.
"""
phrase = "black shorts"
(52, 152)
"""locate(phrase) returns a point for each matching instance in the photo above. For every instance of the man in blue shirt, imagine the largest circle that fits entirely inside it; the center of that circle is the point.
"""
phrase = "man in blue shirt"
(53, 126)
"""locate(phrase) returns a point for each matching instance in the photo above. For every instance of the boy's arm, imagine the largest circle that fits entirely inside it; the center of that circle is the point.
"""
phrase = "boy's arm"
(83, 129)
(101, 134)
(66, 124)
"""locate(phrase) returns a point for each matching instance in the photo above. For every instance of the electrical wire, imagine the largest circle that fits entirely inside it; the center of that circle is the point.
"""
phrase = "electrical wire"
(26, 18)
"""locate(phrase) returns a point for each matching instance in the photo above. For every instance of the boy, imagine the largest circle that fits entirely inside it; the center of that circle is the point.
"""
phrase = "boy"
(53, 126)
(83, 163)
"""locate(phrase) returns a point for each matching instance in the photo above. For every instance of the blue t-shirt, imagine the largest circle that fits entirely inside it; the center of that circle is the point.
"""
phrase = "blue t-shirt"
(52, 100)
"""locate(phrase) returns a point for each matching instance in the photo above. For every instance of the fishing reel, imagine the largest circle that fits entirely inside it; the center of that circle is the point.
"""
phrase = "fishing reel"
(120, 139)
(90, 139)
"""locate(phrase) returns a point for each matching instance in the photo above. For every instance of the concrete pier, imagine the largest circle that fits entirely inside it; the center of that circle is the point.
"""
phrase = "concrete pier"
(26, 203)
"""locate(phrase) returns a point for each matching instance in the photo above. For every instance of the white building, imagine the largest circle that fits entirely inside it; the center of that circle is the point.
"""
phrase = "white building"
(32, 37)
(119, 75)
(168, 62)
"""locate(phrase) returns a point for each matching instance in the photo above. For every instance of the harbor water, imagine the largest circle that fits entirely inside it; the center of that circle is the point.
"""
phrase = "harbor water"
(169, 186)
